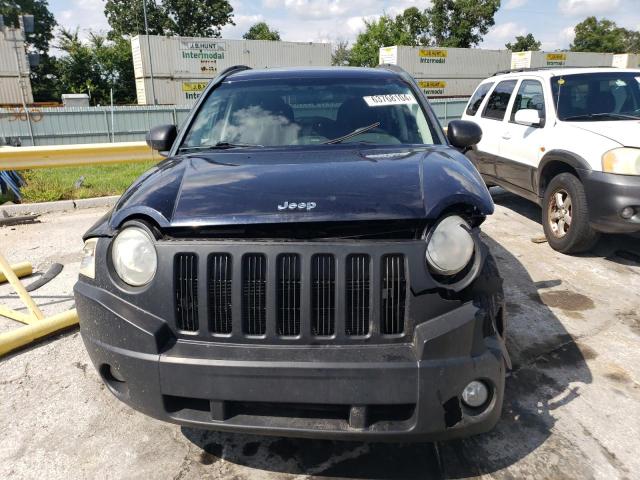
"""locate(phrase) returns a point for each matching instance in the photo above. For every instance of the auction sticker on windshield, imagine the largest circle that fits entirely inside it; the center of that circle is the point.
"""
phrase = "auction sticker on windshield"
(392, 99)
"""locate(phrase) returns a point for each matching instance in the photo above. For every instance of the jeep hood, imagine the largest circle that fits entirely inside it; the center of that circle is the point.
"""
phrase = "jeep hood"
(625, 132)
(334, 184)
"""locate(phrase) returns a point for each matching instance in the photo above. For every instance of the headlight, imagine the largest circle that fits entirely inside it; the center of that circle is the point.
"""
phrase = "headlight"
(623, 161)
(88, 262)
(134, 256)
(450, 247)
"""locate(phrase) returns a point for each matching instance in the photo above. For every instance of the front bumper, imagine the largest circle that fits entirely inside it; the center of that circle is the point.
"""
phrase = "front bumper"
(396, 391)
(607, 194)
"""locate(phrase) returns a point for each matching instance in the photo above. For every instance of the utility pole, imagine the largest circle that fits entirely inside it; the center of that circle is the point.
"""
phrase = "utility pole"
(146, 29)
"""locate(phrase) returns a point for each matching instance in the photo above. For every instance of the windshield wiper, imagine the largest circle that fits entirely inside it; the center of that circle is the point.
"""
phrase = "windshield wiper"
(597, 116)
(355, 133)
(221, 146)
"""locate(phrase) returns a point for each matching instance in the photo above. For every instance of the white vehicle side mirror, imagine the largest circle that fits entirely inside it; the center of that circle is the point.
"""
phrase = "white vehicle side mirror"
(529, 117)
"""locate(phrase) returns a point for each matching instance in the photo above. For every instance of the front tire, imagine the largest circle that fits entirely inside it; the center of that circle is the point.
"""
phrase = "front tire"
(565, 216)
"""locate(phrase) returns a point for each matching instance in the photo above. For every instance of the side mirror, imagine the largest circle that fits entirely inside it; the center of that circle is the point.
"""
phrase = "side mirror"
(464, 134)
(161, 138)
(528, 117)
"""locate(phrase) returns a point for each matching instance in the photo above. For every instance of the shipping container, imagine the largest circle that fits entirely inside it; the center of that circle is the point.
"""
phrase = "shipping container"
(446, 72)
(183, 91)
(560, 59)
(438, 63)
(10, 91)
(626, 60)
(12, 86)
(180, 65)
(12, 41)
(448, 87)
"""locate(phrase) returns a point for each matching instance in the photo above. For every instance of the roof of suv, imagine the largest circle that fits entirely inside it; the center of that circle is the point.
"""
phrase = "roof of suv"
(314, 72)
(553, 72)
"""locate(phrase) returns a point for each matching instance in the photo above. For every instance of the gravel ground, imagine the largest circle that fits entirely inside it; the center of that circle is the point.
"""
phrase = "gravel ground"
(572, 407)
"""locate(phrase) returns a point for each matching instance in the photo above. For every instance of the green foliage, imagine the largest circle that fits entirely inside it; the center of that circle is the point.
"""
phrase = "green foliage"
(341, 55)
(261, 31)
(524, 44)
(51, 184)
(593, 35)
(203, 18)
(460, 23)
(448, 23)
(376, 34)
(96, 67)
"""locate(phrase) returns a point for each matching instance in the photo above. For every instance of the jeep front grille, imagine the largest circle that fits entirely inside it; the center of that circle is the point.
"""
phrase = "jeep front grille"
(357, 295)
(394, 286)
(292, 296)
(323, 295)
(288, 293)
(185, 283)
(254, 293)
(219, 293)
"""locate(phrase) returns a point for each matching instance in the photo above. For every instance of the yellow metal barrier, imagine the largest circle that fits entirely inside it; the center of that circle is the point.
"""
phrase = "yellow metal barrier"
(36, 325)
(23, 269)
(22, 158)
(20, 337)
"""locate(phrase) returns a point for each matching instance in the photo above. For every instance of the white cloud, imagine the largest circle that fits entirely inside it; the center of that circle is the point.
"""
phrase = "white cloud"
(242, 25)
(501, 34)
(513, 4)
(588, 7)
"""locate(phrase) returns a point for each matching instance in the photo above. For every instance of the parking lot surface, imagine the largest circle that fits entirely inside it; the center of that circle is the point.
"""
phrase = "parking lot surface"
(572, 407)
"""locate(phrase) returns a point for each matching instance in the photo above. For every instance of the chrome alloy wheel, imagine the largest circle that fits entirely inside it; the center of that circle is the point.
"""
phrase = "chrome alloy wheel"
(560, 213)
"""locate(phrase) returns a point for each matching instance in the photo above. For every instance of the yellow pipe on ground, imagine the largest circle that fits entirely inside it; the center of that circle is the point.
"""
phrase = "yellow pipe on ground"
(22, 269)
(22, 336)
(23, 158)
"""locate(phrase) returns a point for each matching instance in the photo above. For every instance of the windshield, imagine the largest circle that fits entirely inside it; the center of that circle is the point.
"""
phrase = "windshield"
(283, 112)
(597, 96)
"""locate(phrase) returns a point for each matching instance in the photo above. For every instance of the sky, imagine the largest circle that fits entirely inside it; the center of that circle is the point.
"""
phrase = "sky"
(550, 21)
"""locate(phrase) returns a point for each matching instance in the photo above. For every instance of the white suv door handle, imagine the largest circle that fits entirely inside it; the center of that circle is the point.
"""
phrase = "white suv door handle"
(506, 136)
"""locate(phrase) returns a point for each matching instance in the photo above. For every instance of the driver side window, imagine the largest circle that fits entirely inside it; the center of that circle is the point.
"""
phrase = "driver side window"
(530, 97)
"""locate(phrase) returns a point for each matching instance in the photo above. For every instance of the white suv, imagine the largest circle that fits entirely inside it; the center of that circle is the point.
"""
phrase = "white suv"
(569, 140)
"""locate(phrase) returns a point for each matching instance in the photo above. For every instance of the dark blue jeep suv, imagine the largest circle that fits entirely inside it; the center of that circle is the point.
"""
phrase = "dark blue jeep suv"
(307, 261)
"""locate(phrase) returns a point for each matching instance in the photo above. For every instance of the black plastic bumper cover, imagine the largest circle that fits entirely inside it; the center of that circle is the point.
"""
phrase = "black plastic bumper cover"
(201, 384)
(607, 195)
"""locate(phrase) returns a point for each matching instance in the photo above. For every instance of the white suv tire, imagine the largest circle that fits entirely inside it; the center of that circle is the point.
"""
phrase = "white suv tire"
(565, 215)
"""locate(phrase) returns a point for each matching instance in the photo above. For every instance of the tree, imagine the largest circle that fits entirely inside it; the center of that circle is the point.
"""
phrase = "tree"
(341, 55)
(593, 35)
(524, 44)
(461, 23)
(95, 67)
(261, 31)
(448, 23)
(202, 18)
(377, 33)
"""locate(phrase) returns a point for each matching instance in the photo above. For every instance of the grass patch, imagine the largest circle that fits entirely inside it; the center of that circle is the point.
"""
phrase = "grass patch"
(51, 184)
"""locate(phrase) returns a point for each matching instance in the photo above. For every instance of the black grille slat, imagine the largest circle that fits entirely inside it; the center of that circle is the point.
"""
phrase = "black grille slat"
(186, 291)
(323, 296)
(357, 295)
(219, 291)
(288, 294)
(254, 279)
(394, 292)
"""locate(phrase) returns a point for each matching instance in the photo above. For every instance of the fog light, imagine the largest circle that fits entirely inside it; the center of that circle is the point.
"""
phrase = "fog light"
(627, 212)
(475, 394)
